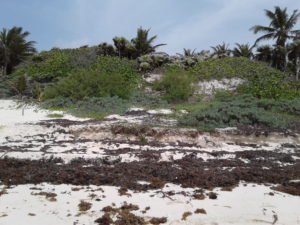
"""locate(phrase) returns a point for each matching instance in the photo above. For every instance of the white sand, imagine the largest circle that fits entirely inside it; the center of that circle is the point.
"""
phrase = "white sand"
(244, 205)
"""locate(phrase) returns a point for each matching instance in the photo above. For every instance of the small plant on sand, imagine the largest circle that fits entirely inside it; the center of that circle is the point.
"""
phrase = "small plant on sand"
(84, 206)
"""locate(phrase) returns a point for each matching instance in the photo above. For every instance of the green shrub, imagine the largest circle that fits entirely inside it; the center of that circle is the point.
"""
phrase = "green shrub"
(92, 83)
(177, 85)
(262, 80)
(6, 87)
(59, 103)
(108, 76)
(229, 67)
(273, 86)
(99, 107)
(142, 99)
(223, 96)
(244, 110)
(21, 84)
(47, 66)
(116, 65)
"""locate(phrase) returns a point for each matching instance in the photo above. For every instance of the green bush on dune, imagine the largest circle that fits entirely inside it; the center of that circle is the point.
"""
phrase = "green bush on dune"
(46, 66)
(98, 107)
(108, 76)
(244, 110)
(230, 67)
(263, 81)
(176, 85)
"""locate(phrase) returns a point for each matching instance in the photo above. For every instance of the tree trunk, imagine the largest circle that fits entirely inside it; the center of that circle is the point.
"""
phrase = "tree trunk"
(286, 59)
(6, 58)
(5, 68)
(297, 68)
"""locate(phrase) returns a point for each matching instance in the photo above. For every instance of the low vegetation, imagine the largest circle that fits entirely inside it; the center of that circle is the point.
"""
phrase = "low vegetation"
(108, 76)
(177, 85)
(263, 81)
(245, 110)
(98, 107)
(104, 79)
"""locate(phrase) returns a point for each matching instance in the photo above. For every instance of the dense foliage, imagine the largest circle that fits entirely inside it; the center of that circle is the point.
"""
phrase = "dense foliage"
(47, 66)
(176, 84)
(102, 106)
(108, 76)
(244, 110)
(263, 81)
(231, 67)
(14, 48)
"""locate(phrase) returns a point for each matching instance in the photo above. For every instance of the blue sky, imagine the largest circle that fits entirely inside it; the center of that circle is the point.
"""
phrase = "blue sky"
(179, 23)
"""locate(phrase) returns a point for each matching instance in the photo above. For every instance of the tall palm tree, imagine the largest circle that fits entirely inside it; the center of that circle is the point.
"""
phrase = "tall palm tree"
(143, 44)
(265, 54)
(294, 56)
(242, 50)
(221, 51)
(14, 48)
(280, 27)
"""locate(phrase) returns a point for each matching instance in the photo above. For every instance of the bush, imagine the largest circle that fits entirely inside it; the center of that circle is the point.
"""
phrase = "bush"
(99, 107)
(177, 85)
(47, 66)
(108, 77)
(6, 87)
(273, 86)
(91, 83)
(244, 110)
(116, 65)
(229, 67)
(59, 103)
(142, 99)
(263, 81)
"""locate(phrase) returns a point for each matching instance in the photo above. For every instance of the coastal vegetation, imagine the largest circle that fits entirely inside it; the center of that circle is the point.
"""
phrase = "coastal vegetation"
(110, 78)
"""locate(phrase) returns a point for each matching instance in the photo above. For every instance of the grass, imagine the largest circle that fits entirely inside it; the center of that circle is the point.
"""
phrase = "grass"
(55, 115)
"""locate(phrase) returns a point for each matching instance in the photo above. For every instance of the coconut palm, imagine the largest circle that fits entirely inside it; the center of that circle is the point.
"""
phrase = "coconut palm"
(280, 57)
(14, 48)
(265, 54)
(143, 44)
(242, 50)
(280, 27)
(294, 56)
(221, 51)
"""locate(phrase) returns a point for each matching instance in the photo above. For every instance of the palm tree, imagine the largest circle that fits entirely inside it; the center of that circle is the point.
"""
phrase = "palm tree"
(143, 44)
(221, 51)
(242, 50)
(189, 52)
(280, 57)
(14, 48)
(294, 56)
(106, 49)
(265, 54)
(280, 28)
(121, 44)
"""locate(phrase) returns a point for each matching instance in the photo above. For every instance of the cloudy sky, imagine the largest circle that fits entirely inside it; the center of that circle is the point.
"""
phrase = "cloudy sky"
(179, 23)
